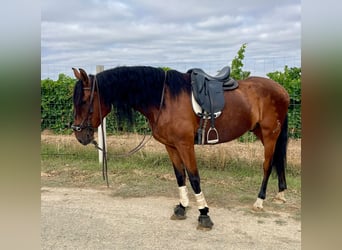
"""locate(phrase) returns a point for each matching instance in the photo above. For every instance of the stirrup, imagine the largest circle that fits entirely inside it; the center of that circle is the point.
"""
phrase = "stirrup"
(213, 140)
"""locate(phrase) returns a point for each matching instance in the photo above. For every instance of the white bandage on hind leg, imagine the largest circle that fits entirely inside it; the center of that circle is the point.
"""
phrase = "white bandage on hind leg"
(258, 203)
(281, 197)
(183, 196)
(201, 202)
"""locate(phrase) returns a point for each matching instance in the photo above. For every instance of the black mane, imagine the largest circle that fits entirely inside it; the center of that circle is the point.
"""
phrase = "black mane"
(140, 87)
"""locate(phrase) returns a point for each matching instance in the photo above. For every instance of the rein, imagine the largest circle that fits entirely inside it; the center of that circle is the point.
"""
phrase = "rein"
(103, 149)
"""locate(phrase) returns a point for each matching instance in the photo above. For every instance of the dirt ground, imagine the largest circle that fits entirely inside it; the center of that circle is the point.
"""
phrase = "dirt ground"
(73, 218)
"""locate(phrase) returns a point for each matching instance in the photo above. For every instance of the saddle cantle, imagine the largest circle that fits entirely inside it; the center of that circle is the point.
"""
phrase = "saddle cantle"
(208, 92)
(222, 75)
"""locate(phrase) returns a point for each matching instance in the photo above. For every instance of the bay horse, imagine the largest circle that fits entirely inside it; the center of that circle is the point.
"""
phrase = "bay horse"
(259, 105)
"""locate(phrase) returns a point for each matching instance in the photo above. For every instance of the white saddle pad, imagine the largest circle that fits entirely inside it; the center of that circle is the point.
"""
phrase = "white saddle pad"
(198, 110)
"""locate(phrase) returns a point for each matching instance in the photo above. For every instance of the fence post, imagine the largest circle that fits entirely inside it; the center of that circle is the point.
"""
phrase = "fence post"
(100, 68)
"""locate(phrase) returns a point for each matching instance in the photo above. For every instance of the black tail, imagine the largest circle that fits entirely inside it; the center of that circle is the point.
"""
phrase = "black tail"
(279, 157)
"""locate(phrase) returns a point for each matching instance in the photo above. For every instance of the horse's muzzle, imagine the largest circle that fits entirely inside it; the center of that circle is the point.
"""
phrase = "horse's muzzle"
(84, 135)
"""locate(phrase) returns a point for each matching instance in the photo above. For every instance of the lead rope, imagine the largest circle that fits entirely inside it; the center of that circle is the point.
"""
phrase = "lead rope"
(134, 150)
(103, 149)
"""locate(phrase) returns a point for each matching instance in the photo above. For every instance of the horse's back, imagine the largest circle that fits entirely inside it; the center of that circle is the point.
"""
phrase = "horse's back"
(255, 99)
(264, 93)
(263, 87)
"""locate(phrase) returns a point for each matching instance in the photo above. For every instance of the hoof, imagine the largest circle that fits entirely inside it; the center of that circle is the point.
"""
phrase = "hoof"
(204, 223)
(257, 209)
(279, 201)
(179, 213)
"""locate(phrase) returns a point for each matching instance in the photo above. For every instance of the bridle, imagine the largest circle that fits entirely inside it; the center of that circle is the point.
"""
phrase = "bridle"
(86, 122)
(89, 126)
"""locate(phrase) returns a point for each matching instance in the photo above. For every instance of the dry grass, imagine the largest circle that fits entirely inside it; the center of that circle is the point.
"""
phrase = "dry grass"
(251, 152)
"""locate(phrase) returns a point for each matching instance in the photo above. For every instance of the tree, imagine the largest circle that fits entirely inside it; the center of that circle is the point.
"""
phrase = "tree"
(236, 69)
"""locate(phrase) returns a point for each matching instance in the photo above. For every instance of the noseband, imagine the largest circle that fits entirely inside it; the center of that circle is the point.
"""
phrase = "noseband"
(88, 124)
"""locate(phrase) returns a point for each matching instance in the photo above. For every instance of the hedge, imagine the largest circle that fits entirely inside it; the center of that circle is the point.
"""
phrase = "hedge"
(56, 104)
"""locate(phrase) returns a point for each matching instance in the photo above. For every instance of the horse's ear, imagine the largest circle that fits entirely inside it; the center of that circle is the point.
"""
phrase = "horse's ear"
(84, 76)
(77, 74)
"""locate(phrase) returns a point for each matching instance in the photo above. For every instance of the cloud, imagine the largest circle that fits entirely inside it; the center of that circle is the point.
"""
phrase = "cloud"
(220, 22)
(149, 32)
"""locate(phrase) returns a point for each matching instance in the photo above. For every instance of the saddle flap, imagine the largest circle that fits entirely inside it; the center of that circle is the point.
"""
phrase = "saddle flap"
(215, 100)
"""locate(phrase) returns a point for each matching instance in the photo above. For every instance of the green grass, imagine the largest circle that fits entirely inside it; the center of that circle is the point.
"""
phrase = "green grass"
(226, 183)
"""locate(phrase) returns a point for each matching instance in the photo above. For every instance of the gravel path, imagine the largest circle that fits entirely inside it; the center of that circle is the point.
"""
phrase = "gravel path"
(73, 218)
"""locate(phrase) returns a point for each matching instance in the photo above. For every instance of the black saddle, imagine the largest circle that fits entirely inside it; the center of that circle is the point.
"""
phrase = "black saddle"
(223, 77)
(209, 90)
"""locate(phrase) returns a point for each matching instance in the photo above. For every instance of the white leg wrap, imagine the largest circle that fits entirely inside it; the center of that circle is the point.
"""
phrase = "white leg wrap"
(183, 196)
(280, 197)
(201, 202)
(258, 203)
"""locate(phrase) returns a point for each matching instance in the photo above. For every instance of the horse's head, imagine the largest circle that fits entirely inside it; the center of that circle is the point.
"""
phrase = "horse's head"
(89, 109)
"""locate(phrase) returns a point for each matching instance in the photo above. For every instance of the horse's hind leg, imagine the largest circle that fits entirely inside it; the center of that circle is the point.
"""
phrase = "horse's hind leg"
(179, 212)
(269, 141)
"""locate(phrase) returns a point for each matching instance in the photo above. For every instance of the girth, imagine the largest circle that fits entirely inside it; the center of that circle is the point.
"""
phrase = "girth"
(208, 91)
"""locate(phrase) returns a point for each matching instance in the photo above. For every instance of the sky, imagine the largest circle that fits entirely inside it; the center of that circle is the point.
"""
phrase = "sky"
(180, 34)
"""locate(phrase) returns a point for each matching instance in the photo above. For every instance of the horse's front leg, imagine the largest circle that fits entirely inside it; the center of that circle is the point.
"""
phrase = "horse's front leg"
(179, 212)
(187, 155)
